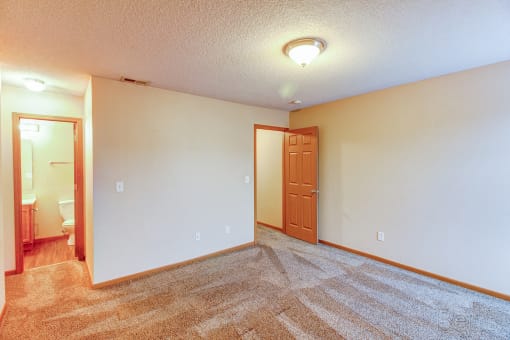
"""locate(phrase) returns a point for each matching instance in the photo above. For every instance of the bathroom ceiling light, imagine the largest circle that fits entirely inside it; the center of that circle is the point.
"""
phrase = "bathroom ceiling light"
(304, 50)
(34, 84)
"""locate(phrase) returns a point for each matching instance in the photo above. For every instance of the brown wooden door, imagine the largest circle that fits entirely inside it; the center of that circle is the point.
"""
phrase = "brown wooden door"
(301, 162)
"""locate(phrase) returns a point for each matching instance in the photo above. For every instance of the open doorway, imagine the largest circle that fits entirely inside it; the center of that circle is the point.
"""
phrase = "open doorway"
(269, 177)
(48, 190)
(286, 180)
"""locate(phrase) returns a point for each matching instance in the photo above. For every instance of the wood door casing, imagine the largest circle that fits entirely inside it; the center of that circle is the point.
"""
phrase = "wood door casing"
(78, 181)
(301, 162)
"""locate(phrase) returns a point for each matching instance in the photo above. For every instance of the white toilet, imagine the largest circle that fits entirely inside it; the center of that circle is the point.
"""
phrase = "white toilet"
(66, 209)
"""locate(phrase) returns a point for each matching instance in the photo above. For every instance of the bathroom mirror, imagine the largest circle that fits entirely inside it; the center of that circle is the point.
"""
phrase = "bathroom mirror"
(26, 165)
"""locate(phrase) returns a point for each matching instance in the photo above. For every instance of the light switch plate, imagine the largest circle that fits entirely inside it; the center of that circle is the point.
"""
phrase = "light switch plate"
(380, 236)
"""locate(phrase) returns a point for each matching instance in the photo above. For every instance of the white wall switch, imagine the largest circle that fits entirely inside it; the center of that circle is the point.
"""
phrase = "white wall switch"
(247, 179)
(227, 229)
(380, 236)
(197, 236)
(119, 186)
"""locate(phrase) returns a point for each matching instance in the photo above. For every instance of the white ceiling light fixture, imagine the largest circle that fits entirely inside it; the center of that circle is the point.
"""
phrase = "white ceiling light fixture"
(304, 50)
(34, 84)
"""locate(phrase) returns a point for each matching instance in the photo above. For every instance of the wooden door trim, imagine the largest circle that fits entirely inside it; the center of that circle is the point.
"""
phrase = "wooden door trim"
(78, 181)
(16, 155)
(271, 128)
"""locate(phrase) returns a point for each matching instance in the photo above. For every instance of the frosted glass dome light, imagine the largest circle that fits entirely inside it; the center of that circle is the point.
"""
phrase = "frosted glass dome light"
(304, 50)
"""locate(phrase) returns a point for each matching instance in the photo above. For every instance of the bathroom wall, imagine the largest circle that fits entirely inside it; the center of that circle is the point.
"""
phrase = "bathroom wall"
(269, 177)
(183, 160)
(16, 99)
(53, 142)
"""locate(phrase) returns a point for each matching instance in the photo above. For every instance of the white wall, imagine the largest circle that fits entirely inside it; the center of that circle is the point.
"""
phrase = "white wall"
(428, 164)
(183, 160)
(2, 225)
(269, 177)
(15, 99)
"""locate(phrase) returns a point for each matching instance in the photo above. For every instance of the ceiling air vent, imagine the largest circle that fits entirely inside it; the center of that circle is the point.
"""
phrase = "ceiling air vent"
(134, 81)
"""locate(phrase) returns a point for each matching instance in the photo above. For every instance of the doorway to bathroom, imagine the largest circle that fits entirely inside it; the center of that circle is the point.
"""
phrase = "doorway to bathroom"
(48, 190)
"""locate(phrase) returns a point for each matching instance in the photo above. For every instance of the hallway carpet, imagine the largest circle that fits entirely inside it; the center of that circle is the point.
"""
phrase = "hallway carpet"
(281, 289)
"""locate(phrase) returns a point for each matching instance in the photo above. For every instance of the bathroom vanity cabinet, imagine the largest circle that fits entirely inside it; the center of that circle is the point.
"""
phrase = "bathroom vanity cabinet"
(27, 226)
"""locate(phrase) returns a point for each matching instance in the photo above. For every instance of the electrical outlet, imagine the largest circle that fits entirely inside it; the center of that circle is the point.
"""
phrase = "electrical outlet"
(197, 236)
(227, 229)
(380, 236)
(119, 186)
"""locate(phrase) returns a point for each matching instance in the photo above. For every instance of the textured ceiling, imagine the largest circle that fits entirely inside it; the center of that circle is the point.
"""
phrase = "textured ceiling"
(232, 50)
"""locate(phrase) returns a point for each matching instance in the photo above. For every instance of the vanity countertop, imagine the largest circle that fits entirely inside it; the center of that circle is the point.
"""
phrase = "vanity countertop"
(28, 201)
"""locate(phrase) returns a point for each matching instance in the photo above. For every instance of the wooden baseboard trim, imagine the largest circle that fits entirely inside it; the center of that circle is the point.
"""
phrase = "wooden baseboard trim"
(50, 238)
(270, 226)
(2, 313)
(168, 267)
(420, 271)
(10, 272)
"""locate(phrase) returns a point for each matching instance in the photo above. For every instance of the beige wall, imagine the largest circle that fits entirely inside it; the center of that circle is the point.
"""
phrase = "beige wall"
(89, 176)
(427, 164)
(51, 183)
(269, 177)
(2, 225)
(183, 160)
(15, 99)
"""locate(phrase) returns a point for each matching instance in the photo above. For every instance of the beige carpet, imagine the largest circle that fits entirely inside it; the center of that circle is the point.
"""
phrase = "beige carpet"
(281, 289)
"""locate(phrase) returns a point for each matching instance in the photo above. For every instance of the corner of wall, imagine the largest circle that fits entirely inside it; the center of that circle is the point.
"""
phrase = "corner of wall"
(89, 215)
(2, 238)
